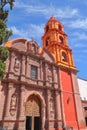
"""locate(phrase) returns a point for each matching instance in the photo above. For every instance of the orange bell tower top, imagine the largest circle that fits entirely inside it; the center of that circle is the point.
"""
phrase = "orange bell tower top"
(55, 41)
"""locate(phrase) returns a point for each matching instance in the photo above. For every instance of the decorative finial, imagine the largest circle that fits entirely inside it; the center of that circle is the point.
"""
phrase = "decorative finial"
(32, 38)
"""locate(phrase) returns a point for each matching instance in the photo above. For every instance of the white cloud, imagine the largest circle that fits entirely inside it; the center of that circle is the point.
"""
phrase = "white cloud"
(19, 32)
(32, 30)
(15, 30)
(79, 35)
(80, 45)
(78, 24)
(36, 30)
(47, 11)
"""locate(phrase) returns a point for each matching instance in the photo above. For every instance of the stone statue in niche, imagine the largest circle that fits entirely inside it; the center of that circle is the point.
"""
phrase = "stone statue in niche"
(17, 64)
(13, 104)
(51, 105)
(33, 48)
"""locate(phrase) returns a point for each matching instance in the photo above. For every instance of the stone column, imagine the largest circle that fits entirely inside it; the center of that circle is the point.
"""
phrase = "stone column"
(78, 103)
(2, 99)
(23, 68)
(58, 108)
(43, 116)
(55, 77)
(12, 62)
(46, 74)
(40, 74)
(22, 107)
(27, 68)
(48, 108)
(46, 68)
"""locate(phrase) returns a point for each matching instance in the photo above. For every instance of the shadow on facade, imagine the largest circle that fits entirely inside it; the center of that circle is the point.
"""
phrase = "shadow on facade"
(5, 128)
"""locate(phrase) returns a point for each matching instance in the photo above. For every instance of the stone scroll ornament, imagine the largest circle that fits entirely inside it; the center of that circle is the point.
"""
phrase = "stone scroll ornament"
(13, 104)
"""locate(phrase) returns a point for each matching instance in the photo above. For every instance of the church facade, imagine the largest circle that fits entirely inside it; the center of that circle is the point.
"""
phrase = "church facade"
(40, 89)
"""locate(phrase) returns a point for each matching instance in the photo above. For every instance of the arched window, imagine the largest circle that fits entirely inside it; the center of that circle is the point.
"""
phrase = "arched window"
(64, 57)
(47, 41)
(60, 28)
(60, 39)
(47, 28)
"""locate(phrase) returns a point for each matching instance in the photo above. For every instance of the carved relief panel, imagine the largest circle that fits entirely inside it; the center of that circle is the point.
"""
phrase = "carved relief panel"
(13, 104)
(34, 47)
(17, 64)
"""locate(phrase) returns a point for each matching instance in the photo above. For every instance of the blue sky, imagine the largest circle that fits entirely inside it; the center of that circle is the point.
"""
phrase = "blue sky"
(28, 18)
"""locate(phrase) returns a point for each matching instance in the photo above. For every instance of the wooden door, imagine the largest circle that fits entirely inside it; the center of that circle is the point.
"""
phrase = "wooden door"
(33, 114)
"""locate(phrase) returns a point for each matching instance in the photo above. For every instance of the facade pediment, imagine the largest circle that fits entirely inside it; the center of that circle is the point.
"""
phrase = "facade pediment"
(23, 45)
(19, 44)
(33, 47)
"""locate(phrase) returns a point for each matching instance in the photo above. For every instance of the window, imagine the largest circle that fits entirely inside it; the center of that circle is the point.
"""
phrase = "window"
(33, 72)
(64, 57)
(47, 41)
(60, 39)
(60, 28)
(47, 28)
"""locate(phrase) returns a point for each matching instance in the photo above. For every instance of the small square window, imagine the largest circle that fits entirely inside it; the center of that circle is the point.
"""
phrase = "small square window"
(34, 72)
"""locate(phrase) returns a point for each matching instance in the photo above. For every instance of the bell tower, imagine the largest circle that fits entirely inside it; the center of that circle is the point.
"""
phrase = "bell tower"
(55, 41)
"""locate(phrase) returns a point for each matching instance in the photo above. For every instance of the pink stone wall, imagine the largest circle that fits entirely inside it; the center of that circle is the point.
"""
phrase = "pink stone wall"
(18, 85)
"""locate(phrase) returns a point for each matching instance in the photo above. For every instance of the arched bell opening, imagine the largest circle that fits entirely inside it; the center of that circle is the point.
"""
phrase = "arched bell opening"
(64, 57)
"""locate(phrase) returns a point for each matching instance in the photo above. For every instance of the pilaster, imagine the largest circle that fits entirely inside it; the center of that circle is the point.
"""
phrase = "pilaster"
(23, 68)
(58, 109)
(12, 62)
(48, 109)
(46, 74)
(2, 99)
(55, 77)
(22, 110)
(79, 110)
(8, 101)
(40, 74)
(27, 68)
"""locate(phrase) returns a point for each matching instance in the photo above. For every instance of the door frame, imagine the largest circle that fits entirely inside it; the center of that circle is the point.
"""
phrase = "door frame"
(43, 105)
